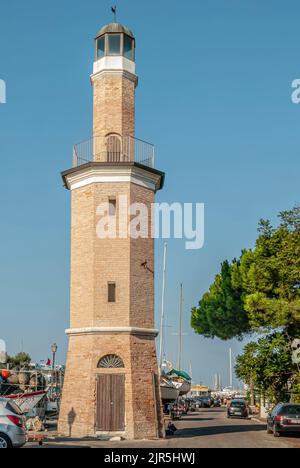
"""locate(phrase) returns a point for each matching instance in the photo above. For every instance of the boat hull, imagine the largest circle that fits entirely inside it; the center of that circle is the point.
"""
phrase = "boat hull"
(27, 401)
(169, 394)
(183, 387)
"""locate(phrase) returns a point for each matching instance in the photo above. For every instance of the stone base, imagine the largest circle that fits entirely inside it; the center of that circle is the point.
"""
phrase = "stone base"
(143, 411)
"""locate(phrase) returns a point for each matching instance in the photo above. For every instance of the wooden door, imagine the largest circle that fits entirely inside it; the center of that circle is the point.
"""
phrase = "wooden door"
(110, 409)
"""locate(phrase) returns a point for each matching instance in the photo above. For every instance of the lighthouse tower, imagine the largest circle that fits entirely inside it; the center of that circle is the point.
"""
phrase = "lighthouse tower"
(111, 383)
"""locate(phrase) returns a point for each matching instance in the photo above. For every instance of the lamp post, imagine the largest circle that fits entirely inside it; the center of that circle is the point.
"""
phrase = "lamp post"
(54, 351)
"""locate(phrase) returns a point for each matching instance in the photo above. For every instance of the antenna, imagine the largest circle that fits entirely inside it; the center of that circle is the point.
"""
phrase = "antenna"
(163, 307)
(114, 10)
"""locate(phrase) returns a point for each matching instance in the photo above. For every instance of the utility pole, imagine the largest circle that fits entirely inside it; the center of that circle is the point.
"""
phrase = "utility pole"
(161, 350)
(230, 367)
(180, 329)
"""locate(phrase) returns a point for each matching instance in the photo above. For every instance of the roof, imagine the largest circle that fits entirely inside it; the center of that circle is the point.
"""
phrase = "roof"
(93, 164)
(114, 28)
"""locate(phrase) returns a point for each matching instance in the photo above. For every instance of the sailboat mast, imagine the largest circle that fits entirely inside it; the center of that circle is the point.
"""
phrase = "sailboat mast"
(161, 350)
(180, 329)
(230, 367)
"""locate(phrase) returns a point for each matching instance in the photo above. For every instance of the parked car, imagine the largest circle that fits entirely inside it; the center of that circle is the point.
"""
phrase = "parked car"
(217, 403)
(284, 418)
(206, 402)
(12, 425)
(237, 409)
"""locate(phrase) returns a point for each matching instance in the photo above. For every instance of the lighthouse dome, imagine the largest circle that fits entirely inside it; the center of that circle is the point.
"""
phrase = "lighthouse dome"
(115, 40)
(114, 28)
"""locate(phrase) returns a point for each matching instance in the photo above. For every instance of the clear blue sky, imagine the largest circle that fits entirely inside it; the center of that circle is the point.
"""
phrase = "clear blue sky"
(214, 96)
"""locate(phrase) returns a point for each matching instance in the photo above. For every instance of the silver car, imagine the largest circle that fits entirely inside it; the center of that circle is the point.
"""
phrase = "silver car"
(12, 425)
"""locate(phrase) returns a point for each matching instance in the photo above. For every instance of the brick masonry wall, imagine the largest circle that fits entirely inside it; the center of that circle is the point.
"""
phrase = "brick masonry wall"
(114, 108)
(78, 409)
(95, 262)
(141, 278)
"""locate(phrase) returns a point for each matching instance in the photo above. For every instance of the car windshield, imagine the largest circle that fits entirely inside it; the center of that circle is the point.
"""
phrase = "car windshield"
(13, 408)
(291, 410)
(237, 404)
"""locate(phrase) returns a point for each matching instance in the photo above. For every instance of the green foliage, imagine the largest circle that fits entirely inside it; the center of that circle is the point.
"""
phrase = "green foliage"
(260, 291)
(21, 360)
(296, 390)
(221, 313)
(268, 365)
(246, 365)
(271, 280)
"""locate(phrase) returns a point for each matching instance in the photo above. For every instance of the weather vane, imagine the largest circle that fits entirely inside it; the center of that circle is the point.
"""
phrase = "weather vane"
(114, 10)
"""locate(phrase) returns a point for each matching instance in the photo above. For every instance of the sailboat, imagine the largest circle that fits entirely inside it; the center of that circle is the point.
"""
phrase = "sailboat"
(169, 391)
(173, 383)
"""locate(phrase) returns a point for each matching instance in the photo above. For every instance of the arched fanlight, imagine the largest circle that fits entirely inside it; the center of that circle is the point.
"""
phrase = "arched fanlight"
(111, 361)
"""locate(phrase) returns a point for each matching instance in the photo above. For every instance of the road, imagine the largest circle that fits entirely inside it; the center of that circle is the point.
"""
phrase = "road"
(209, 428)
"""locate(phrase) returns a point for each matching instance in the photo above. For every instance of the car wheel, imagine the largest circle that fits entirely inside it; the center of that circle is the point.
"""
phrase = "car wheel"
(5, 442)
(269, 430)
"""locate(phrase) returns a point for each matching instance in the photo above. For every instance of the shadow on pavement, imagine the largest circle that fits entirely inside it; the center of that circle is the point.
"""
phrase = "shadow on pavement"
(217, 430)
(198, 419)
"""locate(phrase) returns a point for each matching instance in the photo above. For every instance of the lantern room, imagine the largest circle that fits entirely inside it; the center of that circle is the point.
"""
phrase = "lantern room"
(115, 40)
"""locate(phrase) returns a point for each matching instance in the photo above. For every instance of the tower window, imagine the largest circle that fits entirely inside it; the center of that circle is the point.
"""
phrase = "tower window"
(111, 292)
(101, 47)
(112, 206)
(114, 44)
(128, 49)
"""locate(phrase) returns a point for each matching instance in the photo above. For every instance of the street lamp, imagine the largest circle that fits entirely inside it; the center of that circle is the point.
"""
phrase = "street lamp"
(54, 351)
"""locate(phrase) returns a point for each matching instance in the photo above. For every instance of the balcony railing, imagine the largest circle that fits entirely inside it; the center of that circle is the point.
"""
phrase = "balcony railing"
(114, 149)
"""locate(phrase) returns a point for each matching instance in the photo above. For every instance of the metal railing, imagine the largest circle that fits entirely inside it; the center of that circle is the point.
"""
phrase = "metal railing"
(114, 149)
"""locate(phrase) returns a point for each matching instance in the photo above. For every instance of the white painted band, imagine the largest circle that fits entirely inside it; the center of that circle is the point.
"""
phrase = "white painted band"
(108, 174)
(112, 179)
(111, 63)
(109, 330)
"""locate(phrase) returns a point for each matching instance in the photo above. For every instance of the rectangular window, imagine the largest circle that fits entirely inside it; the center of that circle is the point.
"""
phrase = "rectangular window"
(114, 44)
(101, 48)
(128, 47)
(112, 206)
(111, 292)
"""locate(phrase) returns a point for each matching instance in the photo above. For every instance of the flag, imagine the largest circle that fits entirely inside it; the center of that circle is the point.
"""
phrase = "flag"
(48, 363)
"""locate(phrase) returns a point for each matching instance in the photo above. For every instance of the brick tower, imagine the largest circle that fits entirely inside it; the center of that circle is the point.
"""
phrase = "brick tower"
(111, 383)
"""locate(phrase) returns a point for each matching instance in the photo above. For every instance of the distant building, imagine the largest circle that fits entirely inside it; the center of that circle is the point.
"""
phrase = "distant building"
(199, 390)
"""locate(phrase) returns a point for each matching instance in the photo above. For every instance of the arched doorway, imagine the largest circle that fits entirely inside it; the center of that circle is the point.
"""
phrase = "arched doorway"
(114, 148)
(110, 410)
